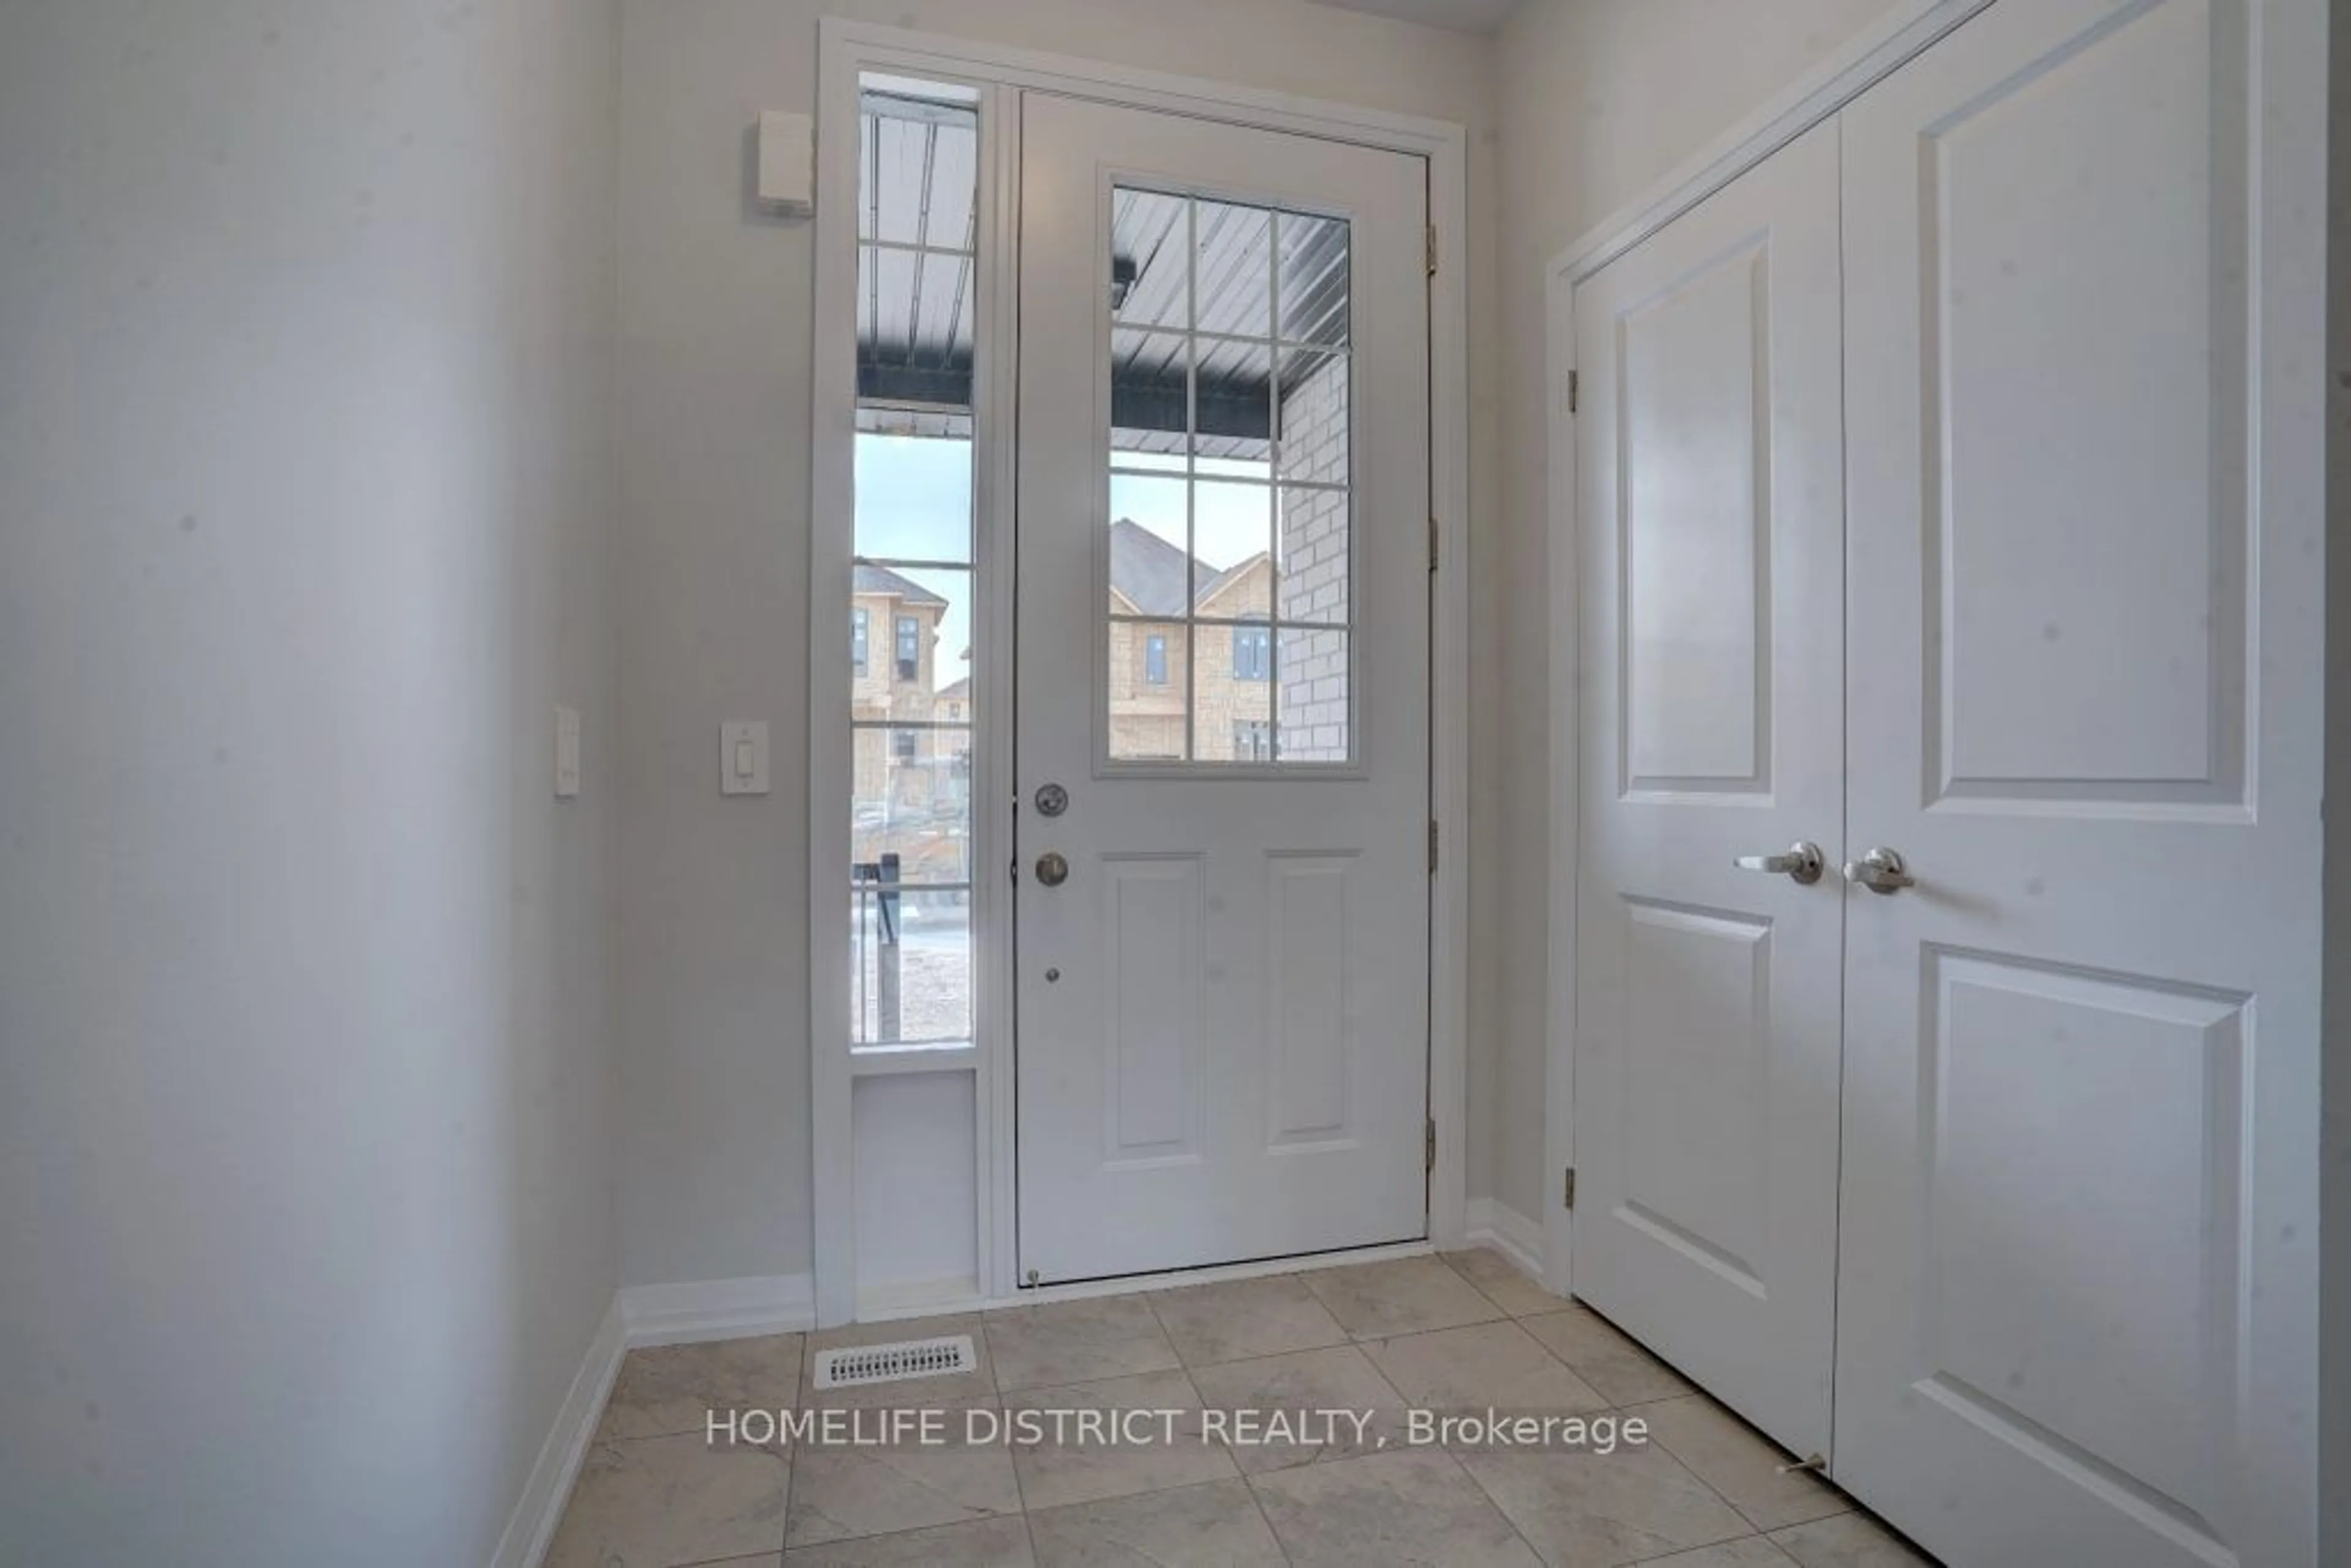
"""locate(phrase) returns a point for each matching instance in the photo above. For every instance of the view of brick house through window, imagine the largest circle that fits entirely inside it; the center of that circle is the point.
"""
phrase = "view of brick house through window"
(1229, 562)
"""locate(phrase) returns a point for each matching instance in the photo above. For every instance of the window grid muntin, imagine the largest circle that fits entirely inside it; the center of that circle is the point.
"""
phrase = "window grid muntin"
(1123, 463)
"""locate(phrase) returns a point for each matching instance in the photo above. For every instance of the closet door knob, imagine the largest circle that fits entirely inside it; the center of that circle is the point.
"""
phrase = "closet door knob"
(1880, 871)
(1803, 863)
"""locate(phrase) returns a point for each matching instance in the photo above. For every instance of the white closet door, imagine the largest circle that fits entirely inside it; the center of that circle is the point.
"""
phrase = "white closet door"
(1711, 505)
(2077, 1290)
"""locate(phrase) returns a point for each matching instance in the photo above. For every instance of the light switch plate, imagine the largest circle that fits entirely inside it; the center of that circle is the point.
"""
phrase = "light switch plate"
(743, 757)
(566, 753)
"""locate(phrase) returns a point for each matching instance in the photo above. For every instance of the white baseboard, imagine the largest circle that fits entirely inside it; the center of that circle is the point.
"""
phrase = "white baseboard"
(1495, 1224)
(717, 1308)
(640, 1315)
(531, 1527)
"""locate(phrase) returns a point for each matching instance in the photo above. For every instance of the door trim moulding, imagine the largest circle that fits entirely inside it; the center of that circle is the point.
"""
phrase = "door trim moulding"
(846, 49)
(1905, 31)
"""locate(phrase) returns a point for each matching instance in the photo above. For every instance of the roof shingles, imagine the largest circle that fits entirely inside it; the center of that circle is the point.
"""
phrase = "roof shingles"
(1148, 572)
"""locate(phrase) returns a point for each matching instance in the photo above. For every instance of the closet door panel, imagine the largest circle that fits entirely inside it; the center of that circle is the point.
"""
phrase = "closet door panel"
(2073, 1316)
(1710, 511)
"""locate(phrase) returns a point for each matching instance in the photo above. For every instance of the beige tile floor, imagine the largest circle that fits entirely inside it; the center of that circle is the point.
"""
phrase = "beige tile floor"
(1460, 1331)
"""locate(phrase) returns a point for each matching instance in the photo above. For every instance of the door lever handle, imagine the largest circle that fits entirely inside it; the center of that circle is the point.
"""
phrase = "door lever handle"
(1880, 871)
(1801, 865)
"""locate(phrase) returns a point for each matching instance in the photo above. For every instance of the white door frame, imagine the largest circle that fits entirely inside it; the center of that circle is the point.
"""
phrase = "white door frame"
(846, 49)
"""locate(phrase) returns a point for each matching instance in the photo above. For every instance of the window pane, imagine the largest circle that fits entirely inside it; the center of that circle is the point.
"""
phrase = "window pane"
(1313, 411)
(885, 281)
(1314, 281)
(1149, 528)
(1313, 556)
(1232, 708)
(913, 497)
(910, 845)
(1311, 675)
(1150, 280)
(1234, 270)
(916, 643)
(918, 167)
(1149, 394)
(911, 798)
(938, 325)
(1233, 416)
(909, 966)
(1232, 532)
(1146, 717)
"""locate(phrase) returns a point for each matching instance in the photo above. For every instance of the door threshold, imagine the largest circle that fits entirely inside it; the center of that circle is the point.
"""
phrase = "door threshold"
(885, 1306)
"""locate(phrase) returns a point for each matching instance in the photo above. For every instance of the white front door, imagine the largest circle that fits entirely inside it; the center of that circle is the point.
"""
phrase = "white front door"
(2076, 1313)
(1222, 727)
(1709, 500)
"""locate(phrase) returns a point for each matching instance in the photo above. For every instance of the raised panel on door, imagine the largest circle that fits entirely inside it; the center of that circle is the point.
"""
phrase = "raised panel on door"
(1693, 366)
(2063, 1306)
(1311, 1026)
(1697, 1029)
(1154, 1066)
(2079, 1049)
(1705, 1042)
(2075, 248)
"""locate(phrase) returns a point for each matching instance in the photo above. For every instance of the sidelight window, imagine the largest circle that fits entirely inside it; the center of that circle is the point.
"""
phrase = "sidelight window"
(911, 836)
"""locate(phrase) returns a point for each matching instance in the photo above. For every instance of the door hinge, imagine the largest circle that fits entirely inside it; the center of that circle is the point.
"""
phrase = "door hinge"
(1428, 1148)
(1567, 1189)
(1431, 846)
(1432, 544)
(1432, 250)
(1574, 391)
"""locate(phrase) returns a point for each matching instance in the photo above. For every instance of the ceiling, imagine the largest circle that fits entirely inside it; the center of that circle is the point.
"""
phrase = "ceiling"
(1461, 15)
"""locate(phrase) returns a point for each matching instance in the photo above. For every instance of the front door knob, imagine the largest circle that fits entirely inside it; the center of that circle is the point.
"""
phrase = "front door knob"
(1053, 869)
(1880, 871)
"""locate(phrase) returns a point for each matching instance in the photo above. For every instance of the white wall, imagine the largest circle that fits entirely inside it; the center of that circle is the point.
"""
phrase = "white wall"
(716, 308)
(1600, 100)
(305, 370)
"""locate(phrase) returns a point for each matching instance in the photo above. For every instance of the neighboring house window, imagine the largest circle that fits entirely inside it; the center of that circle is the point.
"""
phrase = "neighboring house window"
(1155, 660)
(861, 626)
(909, 647)
(902, 742)
(1253, 652)
(1252, 740)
